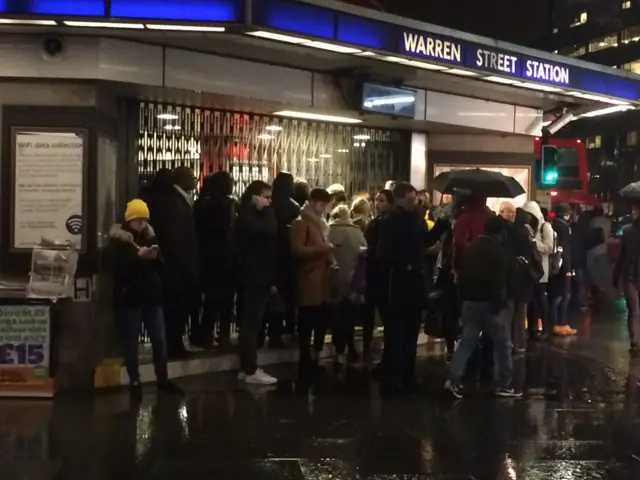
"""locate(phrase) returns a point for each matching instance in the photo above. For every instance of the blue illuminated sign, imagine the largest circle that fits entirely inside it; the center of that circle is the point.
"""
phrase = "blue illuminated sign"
(85, 8)
(193, 10)
(295, 17)
(432, 47)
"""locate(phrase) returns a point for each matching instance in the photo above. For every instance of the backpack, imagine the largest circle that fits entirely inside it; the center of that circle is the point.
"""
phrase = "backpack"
(555, 259)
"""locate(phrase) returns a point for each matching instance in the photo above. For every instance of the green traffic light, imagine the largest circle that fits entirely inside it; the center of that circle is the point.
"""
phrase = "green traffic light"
(550, 177)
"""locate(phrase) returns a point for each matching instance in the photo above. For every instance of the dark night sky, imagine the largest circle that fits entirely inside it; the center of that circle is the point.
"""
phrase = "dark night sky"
(516, 21)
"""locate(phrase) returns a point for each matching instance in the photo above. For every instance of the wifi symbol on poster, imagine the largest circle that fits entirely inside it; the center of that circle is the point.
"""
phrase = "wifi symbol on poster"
(74, 224)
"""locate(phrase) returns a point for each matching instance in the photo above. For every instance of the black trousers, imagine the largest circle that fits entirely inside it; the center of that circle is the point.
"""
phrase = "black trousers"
(538, 309)
(401, 347)
(343, 326)
(254, 303)
(177, 308)
(312, 321)
(217, 311)
(367, 314)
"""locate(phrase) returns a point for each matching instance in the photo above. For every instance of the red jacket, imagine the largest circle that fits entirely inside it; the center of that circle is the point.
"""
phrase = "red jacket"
(469, 226)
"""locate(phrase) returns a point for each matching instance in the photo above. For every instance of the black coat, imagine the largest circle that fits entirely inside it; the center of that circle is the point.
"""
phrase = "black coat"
(519, 244)
(375, 286)
(286, 210)
(257, 237)
(485, 271)
(215, 219)
(557, 283)
(137, 282)
(173, 220)
(401, 245)
(628, 264)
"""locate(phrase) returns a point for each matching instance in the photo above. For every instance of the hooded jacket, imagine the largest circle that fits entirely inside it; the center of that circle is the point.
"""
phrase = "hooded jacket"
(469, 226)
(137, 282)
(544, 237)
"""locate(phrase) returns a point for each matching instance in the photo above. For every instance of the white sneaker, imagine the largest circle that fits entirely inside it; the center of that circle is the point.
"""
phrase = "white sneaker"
(260, 378)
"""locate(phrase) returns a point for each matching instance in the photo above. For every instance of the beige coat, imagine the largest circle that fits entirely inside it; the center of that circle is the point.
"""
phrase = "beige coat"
(314, 260)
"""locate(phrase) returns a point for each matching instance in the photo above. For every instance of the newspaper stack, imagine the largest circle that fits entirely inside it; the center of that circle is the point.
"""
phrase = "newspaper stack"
(53, 269)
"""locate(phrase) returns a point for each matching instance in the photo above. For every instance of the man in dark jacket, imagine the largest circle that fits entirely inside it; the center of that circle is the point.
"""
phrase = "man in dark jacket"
(628, 270)
(401, 246)
(560, 284)
(286, 210)
(215, 214)
(173, 219)
(484, 274)
(257, 237)
(469, 225)
(136, 267)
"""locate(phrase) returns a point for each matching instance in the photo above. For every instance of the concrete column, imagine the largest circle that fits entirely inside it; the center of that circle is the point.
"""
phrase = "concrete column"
(418, 173)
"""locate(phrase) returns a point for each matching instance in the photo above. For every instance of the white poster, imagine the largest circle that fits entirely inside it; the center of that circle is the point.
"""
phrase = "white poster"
(48, 176)
(521, 174)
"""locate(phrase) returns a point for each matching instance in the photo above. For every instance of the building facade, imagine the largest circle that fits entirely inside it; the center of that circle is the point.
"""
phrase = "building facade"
(605, 32)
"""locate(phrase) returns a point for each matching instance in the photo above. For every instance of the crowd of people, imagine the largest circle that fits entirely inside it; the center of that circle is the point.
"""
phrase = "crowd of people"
(292, 263)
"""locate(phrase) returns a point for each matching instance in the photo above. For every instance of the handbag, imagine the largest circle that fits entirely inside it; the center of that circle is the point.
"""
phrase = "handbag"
(555, 259)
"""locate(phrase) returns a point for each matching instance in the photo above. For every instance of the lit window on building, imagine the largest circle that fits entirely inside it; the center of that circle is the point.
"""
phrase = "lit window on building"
(633, 67)
(594, 142)
(602, 43)
(626, 5)
(572, 51)
(580, 19)
(632, 138)
(555, 29)
(631, 34)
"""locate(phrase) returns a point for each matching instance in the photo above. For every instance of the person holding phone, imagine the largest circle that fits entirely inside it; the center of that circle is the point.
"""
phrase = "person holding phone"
(136, 268)
(257, 239)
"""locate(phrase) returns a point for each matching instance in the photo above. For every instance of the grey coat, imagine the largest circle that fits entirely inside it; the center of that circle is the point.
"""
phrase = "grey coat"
(349, 243)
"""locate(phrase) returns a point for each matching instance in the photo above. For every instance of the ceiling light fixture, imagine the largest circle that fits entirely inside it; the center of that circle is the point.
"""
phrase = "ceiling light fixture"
(168, 116)
(185, 28)
(366, 54)
(396, 59)
(543, 88)
(172, 127)
(277, 36)
(426, 66)
(342, 150)
(606, 111)
(506, 81)
(132, 26)
(16, 21)
(317, 116)
(362, 136)
(331, 47)
(265, 136)
(464, 73)
(325, 155)
(273, 128)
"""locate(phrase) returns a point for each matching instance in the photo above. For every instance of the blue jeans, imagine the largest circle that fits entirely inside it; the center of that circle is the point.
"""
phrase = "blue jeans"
(152, 317)
(559, 306)
(483, 317)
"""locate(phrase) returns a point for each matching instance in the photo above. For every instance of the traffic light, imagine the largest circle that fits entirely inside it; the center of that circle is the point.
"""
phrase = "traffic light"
(549, 165)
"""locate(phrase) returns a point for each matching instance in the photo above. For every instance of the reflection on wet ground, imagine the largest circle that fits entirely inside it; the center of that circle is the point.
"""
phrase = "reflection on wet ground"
(578, 420)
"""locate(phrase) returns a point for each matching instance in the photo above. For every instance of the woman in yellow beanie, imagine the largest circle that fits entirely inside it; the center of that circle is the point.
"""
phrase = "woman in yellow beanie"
(138, 294)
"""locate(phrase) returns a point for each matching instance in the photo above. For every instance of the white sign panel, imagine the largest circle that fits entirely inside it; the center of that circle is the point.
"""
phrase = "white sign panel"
(48, 176)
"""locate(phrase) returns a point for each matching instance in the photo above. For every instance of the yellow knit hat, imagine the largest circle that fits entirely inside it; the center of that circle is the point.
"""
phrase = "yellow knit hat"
(136, 209)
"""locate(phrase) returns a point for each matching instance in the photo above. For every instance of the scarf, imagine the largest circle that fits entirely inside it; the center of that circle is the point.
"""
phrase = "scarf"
(186, 196)
(319, 221)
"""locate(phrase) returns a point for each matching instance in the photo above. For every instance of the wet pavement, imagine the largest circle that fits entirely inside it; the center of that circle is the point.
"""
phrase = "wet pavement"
(578, 420)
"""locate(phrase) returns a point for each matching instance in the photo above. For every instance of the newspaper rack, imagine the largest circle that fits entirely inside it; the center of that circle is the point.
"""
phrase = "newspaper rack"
(53, 269)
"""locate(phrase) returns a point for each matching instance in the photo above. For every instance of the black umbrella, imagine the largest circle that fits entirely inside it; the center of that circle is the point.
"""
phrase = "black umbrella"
(479, 183)
(631, 191)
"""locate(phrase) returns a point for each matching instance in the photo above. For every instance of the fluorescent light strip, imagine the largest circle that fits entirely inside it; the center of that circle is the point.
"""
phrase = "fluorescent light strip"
(426, 66)
(606, 111)
(277, 36)
(543, 88)
(185, 28)
(331, 47)
(317, 116)
(366, 54)
(506, 81)
(464, 73)
(133, 26)
(16, 21)
(396, 59)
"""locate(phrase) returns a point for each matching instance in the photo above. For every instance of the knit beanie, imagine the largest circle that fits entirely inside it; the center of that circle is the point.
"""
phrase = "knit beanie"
(136, 209)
